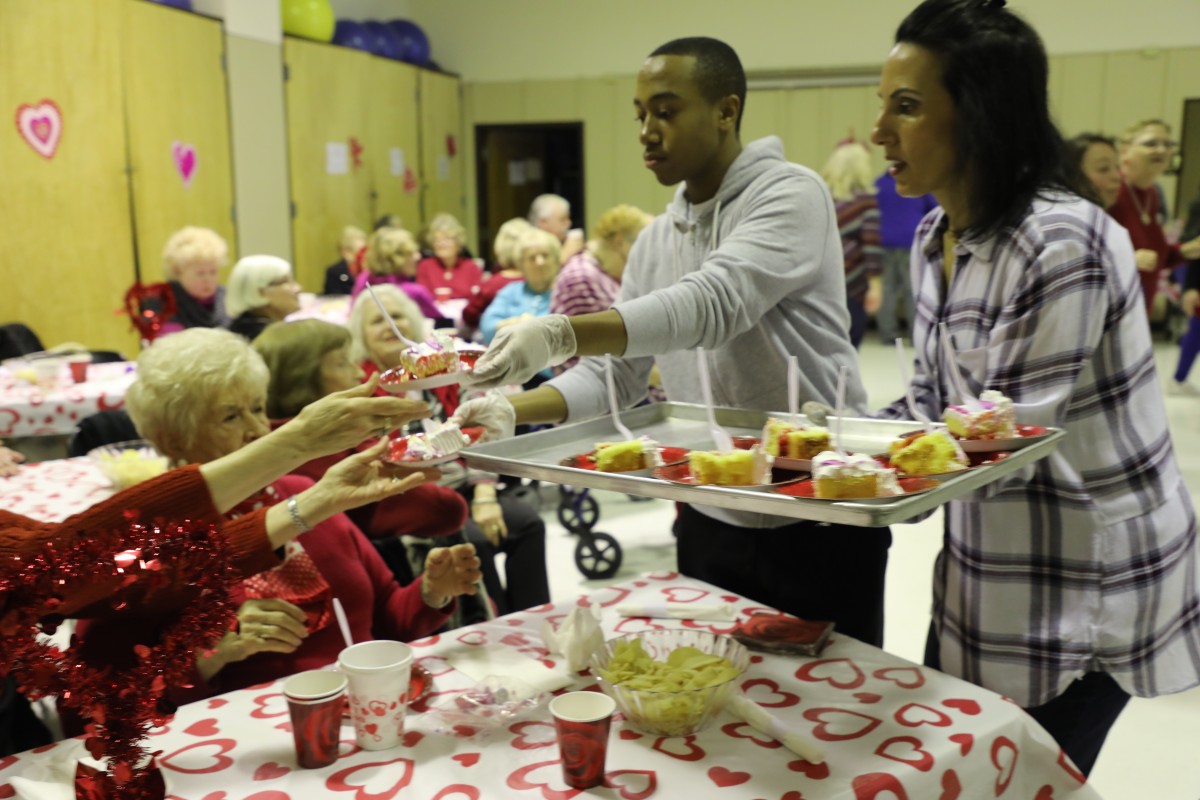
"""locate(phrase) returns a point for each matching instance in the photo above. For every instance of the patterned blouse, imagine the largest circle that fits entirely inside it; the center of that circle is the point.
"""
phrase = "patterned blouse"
(1086, 560)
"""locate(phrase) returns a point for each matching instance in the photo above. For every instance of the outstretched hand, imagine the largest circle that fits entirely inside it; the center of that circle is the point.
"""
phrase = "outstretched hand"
(449, 572)
(365, 478)
(343, 420)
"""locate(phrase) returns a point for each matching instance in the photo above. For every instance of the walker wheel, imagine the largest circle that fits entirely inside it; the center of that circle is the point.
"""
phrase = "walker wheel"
(598, 555)
(579, 515)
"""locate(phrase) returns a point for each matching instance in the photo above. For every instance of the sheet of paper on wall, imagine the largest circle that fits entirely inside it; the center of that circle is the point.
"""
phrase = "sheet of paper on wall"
(337, 158)
(516, 173)
(443, 168)
(396, 160)
(533, 169)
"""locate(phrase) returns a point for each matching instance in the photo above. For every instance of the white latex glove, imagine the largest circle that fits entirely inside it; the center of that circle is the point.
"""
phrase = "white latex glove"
(492, 412)
(521, 351)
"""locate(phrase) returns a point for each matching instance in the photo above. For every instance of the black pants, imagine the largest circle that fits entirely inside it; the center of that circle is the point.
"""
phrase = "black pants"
(812, 570)
(20, 729)
(526, 584)
(1079, 719)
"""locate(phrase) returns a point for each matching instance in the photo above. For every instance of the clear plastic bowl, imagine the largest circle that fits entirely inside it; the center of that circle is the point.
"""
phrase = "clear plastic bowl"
(672, 713)
(129, 463)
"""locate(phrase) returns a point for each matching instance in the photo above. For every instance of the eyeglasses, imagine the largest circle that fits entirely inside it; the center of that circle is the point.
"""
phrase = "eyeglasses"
(281, 281)
(1155, 144)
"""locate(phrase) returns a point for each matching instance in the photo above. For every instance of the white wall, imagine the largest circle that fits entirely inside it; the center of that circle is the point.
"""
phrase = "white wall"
(536, 39)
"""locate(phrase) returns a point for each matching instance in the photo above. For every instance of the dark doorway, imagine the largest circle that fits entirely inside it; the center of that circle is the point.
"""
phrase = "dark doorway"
(1188, 185)
(516, 163)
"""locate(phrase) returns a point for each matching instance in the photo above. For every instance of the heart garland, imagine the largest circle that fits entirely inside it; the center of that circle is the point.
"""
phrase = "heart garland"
(121, 706)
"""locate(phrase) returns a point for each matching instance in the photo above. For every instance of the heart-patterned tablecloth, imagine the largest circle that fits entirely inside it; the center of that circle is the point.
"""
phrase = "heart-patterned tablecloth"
(51, 491)
(30, 410)
(891, 730)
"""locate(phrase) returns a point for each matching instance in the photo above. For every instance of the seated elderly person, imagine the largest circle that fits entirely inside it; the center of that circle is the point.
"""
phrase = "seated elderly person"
(590, 279)
(537, 255)
(192, 260)
(391, 258)
(201, 395)
(262, 290)
(552, 213)
(339, 276)
(449, 273)
(504, 271)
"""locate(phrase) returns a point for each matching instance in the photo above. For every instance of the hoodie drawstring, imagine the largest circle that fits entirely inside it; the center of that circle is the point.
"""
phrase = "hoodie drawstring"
(716, 219)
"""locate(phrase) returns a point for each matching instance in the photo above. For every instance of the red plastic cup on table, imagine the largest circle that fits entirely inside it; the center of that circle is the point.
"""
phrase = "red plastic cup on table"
(443, 293)
(378, 673)
(582, 721)
(315, 700)
(79, 369)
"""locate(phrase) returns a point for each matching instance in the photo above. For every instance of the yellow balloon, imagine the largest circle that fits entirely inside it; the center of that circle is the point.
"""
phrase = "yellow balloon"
(312, 19)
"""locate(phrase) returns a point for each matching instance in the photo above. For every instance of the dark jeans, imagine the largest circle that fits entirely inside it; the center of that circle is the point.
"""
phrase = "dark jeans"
(526, 584)
(809, 569)
(1079, 719)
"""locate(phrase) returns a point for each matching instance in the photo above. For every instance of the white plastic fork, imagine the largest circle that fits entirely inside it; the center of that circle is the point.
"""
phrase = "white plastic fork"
(612, 399)
(840, 410)
(965, 395)
(389, 319)
(913, 409)
(794, 390)
(721, 438)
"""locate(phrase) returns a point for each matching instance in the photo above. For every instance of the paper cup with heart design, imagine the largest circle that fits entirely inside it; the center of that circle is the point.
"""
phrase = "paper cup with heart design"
(315, 700)
(582, 721)
(378, 673)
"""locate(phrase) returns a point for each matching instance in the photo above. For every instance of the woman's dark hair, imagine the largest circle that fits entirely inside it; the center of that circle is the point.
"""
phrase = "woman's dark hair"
(1075, 149)
(995, 69)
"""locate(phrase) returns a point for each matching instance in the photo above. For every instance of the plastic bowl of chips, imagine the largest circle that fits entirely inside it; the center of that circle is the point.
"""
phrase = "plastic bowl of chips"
(695, 672)
(129, 463)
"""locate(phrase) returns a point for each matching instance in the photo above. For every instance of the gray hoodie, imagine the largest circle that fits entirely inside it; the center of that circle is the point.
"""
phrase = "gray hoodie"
(752, 275)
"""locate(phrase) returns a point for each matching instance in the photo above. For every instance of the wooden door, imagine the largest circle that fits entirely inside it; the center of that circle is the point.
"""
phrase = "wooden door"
(442, 155)
(178, 128)
(328, 93)
(392, 150)
(64, 211)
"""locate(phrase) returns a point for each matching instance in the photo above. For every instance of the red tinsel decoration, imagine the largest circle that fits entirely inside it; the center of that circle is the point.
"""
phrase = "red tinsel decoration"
(150, 306)
(122, 706)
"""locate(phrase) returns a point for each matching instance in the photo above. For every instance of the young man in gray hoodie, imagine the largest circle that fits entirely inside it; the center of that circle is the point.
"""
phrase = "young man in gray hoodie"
(746, 263)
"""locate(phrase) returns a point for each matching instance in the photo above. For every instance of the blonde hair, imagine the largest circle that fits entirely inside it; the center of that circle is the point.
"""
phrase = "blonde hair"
(250, 276)
(536, 237)
(292, 352)
(179, 379)
(848, 171)
(352, 237)
(363, 305)
(386, 249)
(1133, 130)
(191, 245)
(449, 225)
(506, 240)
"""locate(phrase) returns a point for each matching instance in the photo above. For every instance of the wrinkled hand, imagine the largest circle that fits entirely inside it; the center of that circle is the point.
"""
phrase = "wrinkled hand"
(874, 298)
(816, 412)
(1146, 260)
(266, 625)
(10, 461)
(1190, 300)
(522, 351)
(343, 420)
(489, 516)
(492, 412)
(365, 478)
(449, 572)
(1191, 249)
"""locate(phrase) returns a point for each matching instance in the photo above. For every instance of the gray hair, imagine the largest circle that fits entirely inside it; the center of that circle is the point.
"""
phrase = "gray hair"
(364, 305)
(179, 379)
(544, 206)
(250, 276)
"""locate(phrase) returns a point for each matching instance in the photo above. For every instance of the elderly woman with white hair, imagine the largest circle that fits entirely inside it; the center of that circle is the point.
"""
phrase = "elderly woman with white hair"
(262, 290)
(201, 395)
(192, 260)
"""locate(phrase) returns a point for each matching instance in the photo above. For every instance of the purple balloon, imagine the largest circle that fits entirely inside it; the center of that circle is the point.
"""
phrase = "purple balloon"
(182, 5)
(414, 44)
(349, 33)
(385, 42)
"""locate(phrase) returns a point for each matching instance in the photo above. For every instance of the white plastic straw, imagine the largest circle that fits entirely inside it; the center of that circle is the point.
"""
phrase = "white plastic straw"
(721, 438)
(841, 407)
(794, 390)
(340, 613)
(612, 399)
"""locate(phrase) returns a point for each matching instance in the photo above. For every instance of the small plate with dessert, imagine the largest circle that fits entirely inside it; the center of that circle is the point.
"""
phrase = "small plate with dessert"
(428, 365)
(989, 424)
(426, 449)
(629, 457)
(909, 466)
(750, 468)
(855, 476)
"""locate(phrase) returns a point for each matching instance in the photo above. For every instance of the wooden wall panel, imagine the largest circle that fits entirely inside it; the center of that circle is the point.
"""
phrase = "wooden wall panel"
(443, 171)
(394, 125)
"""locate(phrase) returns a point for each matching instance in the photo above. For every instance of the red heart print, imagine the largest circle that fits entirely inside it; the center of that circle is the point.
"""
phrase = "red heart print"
(755, 689)
(756, 659)
(816, 772)
(340, 781)
(412, 738)
(1070, 768)
(684, 594)
(637, 625)
(205, 727)
(872, 784)
(461, 789)
(723, 777)
(1045, 793)
(838, 724)
(217, 702)
(867, 697)
(533, 734)
(520, 780)
(740, 730)
(40, 126)
(841, 673)
(914, 715)
(618, 595)
(951, 786)
(371, 728)
(270, 771)
(6, 791)
(904, 677)
(6, 762)
(1004, 759)
(792, 795)
(475, 637)
(467, 759)
(628, 781)
(906, 750)
(215, 796)
(629, 735)
(965, 741)
(269, 705)
(667, 745)
(968, 707)
(198, 763)
(284, 726)
(515, 640)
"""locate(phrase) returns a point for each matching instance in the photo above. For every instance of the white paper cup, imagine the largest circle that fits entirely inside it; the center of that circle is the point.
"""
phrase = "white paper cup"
(378, 682)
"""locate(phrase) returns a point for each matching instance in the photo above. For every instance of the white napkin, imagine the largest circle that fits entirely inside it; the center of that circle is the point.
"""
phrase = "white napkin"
(761, 720)
(577, 637)
(668, 610)
(53, 778)
(478, 663)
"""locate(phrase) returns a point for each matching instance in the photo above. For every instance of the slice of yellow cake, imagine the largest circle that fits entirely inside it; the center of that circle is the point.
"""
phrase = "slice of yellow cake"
(853, 476)
(928, 454)
(783, 440)
(641, 453)
(737, 468)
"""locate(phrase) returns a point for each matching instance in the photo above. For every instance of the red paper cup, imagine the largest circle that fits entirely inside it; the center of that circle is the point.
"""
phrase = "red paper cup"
(315, 700)
(79, 370)
(582, 720)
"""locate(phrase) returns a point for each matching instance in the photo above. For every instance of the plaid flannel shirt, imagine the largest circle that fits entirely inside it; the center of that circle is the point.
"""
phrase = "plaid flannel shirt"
(1086, 560)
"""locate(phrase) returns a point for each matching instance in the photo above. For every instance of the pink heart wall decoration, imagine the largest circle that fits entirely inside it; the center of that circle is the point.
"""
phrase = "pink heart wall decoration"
(40, 126)
(185, 161)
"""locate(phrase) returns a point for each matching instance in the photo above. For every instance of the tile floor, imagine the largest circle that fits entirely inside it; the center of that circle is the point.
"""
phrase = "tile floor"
(1151, 752)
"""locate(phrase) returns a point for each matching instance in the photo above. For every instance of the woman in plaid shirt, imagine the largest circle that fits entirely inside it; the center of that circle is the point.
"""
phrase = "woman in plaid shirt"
(1071, 585)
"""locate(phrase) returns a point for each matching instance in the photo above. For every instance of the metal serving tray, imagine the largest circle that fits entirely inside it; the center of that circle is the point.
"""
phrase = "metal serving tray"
(537, 456)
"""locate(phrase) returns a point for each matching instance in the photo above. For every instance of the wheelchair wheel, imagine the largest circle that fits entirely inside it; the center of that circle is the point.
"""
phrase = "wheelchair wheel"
(598, 555)
(578, 514)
